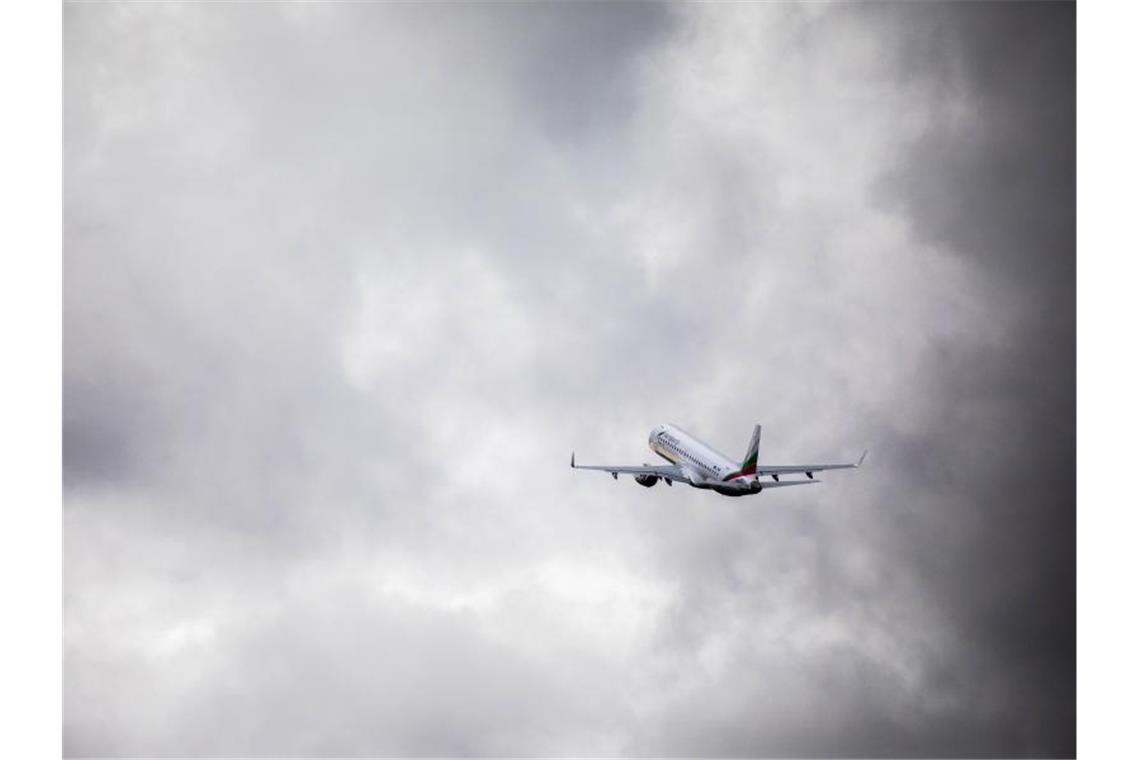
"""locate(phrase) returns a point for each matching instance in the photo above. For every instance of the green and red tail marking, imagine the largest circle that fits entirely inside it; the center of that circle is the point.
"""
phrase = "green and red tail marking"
(751, 457)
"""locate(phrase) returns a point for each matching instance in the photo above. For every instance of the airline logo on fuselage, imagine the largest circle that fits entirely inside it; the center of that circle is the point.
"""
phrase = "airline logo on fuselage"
(669, 446)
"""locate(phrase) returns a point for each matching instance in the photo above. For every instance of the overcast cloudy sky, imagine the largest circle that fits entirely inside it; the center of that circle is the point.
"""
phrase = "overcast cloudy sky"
(345, 284)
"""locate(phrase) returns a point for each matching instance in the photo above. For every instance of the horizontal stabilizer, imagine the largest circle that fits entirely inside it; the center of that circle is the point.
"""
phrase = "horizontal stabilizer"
(782, 483)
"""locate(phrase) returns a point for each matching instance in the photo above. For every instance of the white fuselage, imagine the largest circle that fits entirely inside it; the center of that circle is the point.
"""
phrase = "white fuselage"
(700, 461)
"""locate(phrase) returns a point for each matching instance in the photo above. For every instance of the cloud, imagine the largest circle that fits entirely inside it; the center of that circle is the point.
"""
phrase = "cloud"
(345, 284)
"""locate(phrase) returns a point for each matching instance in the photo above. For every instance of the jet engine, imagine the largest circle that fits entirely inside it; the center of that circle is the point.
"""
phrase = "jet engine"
(646, 480)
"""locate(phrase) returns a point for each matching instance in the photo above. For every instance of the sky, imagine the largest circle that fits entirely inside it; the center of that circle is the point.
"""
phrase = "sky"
(344, 285)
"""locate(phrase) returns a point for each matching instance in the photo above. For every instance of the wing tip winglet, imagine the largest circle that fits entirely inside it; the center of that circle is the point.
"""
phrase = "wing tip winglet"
(864, 456)
(571, 460)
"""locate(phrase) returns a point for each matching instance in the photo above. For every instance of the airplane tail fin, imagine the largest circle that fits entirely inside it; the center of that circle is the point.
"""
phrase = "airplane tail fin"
(748, 466)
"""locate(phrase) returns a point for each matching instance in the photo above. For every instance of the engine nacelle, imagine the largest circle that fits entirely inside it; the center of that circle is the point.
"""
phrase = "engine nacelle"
(646, 480)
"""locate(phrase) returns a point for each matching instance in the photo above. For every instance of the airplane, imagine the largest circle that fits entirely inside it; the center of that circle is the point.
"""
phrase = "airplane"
(693, 461)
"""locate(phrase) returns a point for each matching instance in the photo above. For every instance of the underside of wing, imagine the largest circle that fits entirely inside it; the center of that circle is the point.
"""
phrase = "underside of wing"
(667, 471)
(807, 469)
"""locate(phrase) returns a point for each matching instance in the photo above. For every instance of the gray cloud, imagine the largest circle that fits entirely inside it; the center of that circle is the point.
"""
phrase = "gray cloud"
(345, 283)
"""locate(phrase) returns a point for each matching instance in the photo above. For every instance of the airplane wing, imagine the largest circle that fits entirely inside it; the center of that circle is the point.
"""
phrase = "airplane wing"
(807, 469)
(668, 471)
